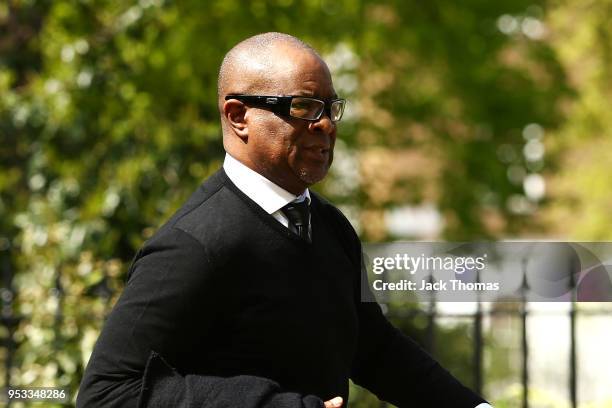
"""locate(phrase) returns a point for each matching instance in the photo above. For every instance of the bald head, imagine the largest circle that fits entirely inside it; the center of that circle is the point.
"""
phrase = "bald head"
(250, 66)
(291, 152)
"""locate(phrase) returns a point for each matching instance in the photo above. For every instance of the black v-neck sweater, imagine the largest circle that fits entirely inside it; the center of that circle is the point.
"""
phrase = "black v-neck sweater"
(226, 307)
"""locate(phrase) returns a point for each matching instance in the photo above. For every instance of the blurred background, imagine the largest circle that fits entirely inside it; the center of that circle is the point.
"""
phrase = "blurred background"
(473, 120)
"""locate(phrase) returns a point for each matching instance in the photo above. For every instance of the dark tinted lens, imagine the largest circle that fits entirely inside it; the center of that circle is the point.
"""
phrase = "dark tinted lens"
(337, 109)
(306, 108)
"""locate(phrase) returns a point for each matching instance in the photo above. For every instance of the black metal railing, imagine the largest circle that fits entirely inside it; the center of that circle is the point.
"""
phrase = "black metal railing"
(9, 322)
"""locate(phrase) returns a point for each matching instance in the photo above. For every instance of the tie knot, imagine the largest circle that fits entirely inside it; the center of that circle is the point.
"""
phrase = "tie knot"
(298, 213)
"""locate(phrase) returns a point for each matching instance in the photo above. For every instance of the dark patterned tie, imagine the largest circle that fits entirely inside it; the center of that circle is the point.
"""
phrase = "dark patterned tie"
(298, 215)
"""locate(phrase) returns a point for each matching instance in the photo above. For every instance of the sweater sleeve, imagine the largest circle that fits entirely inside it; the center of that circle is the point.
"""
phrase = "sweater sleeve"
(388, 363)
(170, 302)
(398, 370)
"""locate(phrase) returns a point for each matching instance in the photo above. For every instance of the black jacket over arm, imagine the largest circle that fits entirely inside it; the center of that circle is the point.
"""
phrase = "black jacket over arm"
(225, 307)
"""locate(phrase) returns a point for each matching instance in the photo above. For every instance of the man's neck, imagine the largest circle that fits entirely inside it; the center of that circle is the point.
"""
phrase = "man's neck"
(267, 194)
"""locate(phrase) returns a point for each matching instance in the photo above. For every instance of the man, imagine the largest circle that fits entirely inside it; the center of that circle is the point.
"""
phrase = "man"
(249, 296)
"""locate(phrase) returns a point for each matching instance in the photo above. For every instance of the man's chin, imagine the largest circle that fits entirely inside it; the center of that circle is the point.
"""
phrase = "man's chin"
(312, 176)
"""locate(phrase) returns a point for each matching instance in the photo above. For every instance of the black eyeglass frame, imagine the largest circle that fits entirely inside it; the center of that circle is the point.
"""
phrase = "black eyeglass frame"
(281, 105)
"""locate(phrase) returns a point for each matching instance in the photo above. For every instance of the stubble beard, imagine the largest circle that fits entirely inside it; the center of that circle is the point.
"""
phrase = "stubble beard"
(310, 177)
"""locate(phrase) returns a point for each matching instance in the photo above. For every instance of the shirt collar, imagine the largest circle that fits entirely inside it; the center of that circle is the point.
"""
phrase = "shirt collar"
(265, 193)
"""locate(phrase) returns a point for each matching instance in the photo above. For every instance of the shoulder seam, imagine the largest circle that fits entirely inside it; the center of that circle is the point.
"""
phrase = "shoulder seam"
(207, 257)
(212, 194)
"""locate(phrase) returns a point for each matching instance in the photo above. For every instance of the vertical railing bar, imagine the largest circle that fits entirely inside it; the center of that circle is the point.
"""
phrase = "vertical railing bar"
(59, 316)
(383, 404)
(9, 320)
(4, 318)
(572, 357)
(478, 343)
(431, 321)
(524, 342)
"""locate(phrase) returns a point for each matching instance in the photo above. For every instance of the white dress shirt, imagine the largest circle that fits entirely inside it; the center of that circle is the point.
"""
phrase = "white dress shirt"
(266, 194)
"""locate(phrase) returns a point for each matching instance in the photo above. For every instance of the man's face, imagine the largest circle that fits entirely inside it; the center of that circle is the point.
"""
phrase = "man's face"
(292, 152)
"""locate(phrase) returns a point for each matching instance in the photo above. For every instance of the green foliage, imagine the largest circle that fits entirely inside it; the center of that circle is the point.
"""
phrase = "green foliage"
(580, 206)
(108, 121)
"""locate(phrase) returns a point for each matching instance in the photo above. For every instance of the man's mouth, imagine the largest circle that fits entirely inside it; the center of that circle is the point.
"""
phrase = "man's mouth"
(318, 152)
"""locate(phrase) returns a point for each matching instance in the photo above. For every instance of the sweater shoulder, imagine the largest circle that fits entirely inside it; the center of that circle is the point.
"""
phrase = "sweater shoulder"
(331, 211)
(205, 211)
(338, 221)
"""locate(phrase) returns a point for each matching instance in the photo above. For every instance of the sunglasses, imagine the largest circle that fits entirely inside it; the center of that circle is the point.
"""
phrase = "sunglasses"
(300, 107)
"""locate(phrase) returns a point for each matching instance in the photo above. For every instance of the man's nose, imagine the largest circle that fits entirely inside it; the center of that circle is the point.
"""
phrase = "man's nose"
(324, 124)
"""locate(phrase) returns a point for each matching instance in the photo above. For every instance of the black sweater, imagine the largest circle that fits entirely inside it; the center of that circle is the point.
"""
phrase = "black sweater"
(225, 307)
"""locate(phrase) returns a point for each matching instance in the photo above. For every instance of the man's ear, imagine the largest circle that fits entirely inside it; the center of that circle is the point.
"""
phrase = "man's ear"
(235, 115)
